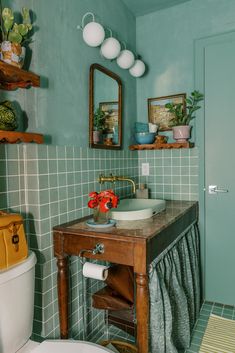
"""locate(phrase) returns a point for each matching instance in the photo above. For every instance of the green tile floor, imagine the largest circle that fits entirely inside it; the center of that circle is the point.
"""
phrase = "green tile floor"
(208, 308)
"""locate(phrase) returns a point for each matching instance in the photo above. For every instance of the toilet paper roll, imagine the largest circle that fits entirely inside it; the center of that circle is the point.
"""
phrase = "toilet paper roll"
(95, 271)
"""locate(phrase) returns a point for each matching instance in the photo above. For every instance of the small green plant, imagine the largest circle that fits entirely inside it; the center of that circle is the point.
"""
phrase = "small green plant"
(13, 32)
(99, 119)
(8, 119)
(184, 112)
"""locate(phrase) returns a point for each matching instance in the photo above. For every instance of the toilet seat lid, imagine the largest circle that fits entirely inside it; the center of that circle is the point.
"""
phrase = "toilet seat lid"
(69, 346)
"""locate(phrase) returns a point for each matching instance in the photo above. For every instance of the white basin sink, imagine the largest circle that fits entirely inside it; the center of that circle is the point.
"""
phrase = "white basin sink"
(135, 209)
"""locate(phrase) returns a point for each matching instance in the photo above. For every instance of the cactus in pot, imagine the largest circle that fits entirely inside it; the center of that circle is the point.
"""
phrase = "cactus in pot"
(14, 36)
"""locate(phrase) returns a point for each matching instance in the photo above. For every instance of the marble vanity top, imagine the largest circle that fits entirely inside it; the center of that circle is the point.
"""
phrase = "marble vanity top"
(146, 229)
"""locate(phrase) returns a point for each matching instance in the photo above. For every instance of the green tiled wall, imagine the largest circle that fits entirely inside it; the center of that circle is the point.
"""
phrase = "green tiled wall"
(49, 185)
(173, 173)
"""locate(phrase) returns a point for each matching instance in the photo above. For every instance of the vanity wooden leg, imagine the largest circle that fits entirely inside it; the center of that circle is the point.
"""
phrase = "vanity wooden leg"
(142, 312)
(62, 284)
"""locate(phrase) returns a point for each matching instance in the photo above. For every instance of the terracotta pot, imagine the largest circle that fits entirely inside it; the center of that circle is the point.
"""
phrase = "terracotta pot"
(160, 139)
(12, 53)
(108, 141)
(181, 133)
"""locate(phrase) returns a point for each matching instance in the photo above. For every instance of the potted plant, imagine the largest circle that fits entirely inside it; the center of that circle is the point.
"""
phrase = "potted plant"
(183, 114)
(8, 120)
(14, 36)
(98, 124)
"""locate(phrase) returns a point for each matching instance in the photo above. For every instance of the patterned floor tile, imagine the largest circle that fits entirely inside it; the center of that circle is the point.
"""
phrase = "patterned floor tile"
(208, 308)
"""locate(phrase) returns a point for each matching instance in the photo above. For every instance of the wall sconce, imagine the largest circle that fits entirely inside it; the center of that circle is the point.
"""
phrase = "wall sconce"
(126, 59)
(93, 33)
(110, 47)
(138, 69)
(94, 36)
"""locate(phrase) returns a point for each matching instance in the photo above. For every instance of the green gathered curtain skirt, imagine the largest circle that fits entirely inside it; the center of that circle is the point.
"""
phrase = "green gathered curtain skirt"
(175, 298)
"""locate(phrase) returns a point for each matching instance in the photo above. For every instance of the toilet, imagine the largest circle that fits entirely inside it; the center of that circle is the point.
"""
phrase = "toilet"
(16, 315)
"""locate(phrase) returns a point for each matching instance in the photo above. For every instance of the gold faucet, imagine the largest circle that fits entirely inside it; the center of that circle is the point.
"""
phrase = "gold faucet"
(112, 178)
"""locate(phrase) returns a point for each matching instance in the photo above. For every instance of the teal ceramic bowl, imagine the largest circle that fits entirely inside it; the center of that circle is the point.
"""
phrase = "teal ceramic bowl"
(141, 127)
(143, 138)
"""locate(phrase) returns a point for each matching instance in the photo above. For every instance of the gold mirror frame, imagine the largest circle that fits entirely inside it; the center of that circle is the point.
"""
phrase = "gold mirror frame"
(111, 74)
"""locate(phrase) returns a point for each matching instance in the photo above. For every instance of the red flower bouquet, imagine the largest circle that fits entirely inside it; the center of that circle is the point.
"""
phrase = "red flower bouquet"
(101, 203)
(105, 200)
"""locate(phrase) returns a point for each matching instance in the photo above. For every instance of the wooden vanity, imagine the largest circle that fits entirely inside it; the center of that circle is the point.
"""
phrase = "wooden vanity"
(133, 243)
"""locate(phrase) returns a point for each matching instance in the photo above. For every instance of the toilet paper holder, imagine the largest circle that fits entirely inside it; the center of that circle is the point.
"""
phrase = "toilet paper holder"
(98, 249)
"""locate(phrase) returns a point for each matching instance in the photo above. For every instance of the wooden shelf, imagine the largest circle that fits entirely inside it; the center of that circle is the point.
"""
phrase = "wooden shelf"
(160, 146)
(16, 137)
(11, 77)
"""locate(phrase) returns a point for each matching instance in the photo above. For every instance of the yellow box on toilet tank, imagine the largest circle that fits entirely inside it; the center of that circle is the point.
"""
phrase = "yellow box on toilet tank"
(13, 245)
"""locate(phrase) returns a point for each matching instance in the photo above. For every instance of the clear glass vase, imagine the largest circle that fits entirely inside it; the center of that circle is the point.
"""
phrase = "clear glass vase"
(101, 217)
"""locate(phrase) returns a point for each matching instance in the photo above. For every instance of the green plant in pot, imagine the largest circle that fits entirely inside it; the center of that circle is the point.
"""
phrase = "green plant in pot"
(98, 124)
(183, 113)
(8, 121)
(14, 36)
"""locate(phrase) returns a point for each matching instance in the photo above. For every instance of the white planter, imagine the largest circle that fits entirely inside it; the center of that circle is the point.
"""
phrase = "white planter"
(12, 53)
(96, 136)
(181, 133)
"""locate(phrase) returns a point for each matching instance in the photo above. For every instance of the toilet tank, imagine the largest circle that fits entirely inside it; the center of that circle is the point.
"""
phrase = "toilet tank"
(16, 304)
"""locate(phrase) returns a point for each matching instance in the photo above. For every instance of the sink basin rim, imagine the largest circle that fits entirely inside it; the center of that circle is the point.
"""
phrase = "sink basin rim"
(149, 208)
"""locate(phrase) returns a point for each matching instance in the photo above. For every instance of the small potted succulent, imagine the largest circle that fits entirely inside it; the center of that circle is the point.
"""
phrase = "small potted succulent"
(98, 124)
(14, 36)
(183, 114)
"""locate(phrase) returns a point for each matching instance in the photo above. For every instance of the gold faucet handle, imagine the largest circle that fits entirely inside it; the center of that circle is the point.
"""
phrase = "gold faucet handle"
(101, 179)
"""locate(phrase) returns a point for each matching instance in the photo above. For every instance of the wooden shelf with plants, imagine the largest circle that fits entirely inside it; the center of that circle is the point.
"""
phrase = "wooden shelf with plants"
(13, 35)
(12, 77)
(160, 146)
(16, 137)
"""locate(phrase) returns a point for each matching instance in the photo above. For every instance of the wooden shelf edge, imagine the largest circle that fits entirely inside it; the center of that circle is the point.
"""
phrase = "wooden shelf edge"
(16, 137)
(159, 146)
(11, 77)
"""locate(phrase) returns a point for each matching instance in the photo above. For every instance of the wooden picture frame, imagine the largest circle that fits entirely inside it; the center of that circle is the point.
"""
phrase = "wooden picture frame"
(111, 115)
(158, 114)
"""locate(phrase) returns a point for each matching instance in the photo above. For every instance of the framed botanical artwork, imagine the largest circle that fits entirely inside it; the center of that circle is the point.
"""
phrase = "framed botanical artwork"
(158, 114)
(111, 115)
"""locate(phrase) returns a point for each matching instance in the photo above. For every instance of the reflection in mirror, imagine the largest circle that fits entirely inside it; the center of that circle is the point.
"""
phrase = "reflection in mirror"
(105, 108)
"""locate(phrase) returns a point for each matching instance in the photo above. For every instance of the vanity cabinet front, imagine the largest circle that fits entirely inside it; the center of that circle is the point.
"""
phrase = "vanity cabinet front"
(135, 244)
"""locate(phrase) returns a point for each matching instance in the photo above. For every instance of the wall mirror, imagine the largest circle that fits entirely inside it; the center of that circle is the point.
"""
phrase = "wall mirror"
(105, 108)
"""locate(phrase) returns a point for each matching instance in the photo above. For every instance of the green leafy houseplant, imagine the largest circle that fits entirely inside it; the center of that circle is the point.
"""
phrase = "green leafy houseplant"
(13, 32)
(184, 112)
(99, 120)
(14, 36)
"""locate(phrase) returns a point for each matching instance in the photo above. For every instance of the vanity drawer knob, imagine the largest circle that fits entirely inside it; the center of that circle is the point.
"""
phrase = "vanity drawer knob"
(98, 249)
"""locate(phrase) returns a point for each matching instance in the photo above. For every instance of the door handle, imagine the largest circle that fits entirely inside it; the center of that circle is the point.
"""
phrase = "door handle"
(213, 189)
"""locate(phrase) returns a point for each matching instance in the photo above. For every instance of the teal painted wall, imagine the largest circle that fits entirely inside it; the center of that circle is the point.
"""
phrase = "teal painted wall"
(49, 185)
(105, 89)
(166, 40)
(59, 54)
(172, 61)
